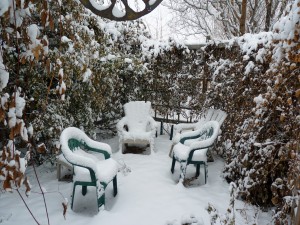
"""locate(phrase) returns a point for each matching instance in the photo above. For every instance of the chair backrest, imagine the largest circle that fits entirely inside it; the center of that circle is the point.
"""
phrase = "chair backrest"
(209, 129)
(212, 115)
(72, 139)
(137, 114)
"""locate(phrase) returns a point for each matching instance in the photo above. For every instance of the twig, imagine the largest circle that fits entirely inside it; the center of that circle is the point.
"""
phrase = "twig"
(27, 207)
(42, 193)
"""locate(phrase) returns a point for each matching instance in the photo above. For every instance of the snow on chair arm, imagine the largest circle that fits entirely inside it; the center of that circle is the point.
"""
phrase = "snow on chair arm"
(209, 129)
(121, 124)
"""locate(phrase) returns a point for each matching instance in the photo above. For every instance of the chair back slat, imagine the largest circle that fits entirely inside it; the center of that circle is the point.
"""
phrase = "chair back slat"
(208, 114)
(74, 144)
(137, 112)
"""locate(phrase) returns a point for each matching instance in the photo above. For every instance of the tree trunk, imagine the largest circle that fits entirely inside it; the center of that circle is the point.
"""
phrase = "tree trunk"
(268, 14)
(243, 18)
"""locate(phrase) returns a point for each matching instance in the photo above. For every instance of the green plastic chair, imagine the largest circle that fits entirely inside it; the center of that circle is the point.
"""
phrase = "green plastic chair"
(87, 168)
(192, 148)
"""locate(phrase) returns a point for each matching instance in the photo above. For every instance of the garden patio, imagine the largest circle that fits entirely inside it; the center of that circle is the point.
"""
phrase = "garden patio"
(64, 64)
(148, 193)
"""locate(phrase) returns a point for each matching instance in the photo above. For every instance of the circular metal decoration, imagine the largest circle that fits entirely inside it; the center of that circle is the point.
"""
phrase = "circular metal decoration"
(121, 10)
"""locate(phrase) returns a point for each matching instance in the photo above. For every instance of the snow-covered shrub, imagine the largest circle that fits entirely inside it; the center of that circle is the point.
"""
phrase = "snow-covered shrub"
(22, 46)
(256, 82)
(175, 77)
(229, 217)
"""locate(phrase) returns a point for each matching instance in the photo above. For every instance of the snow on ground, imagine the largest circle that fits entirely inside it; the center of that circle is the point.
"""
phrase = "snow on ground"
(148, 195)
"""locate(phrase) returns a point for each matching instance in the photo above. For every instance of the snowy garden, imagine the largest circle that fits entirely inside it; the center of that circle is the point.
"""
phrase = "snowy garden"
(158, 111)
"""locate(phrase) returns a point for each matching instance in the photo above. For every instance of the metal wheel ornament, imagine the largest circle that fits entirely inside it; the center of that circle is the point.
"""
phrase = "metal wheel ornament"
(121, 10)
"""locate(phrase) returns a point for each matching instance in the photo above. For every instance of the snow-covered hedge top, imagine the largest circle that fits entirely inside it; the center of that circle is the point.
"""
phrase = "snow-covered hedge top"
(75, 133)
(286, 25)
(153, 48)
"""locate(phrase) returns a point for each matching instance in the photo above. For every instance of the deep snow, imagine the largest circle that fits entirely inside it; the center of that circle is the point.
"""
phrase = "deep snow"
(148, 195)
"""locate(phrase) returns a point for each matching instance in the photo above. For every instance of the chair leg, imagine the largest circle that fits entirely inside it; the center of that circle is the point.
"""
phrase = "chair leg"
(58, 171)
(121, 147)
(197, 170)
(152, 146)
(101, 200)
(115, 186)
(73, 196)
(84, 190)
(183, 166)
(205, 172)
(173, 164)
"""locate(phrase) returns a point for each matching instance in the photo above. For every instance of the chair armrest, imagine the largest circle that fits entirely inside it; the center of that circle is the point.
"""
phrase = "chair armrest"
(99, 147)
(78, 160)
(153, 124)
(91, 170)
(200, 146)
(178, 128)
(185, 136)
(121, 124)
(203, 143)
(190, 135)
(191, 154)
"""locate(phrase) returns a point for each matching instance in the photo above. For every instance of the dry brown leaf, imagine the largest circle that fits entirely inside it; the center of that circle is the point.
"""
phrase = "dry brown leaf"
(12, 104)
(17, 129)
(10, 169)
(18, 177)
(65, 207)
(63, 91)
(2, 173)
(17, 159)
(48, 66)
(297, 93)
(282, 118)
(51, 22)
(8, 153)
(275, 200)
(27, 185)
(3, 157)
(2, 114)
(7, 184)
(36, 51)
(44, 16)
(42, 149)
(23, 60)
(289, 101)
(12, 133)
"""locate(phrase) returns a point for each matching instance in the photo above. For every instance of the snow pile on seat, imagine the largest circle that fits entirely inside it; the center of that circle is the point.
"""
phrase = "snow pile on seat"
(83, 174)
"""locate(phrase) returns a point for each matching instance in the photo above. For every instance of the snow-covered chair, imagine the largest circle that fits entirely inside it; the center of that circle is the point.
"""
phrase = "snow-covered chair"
(89, 169)
(137, 126)
(208, 115)
(192, 148)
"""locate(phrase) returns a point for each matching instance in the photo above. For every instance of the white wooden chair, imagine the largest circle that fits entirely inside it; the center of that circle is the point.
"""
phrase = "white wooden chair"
(137, 126)
(208, 115)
